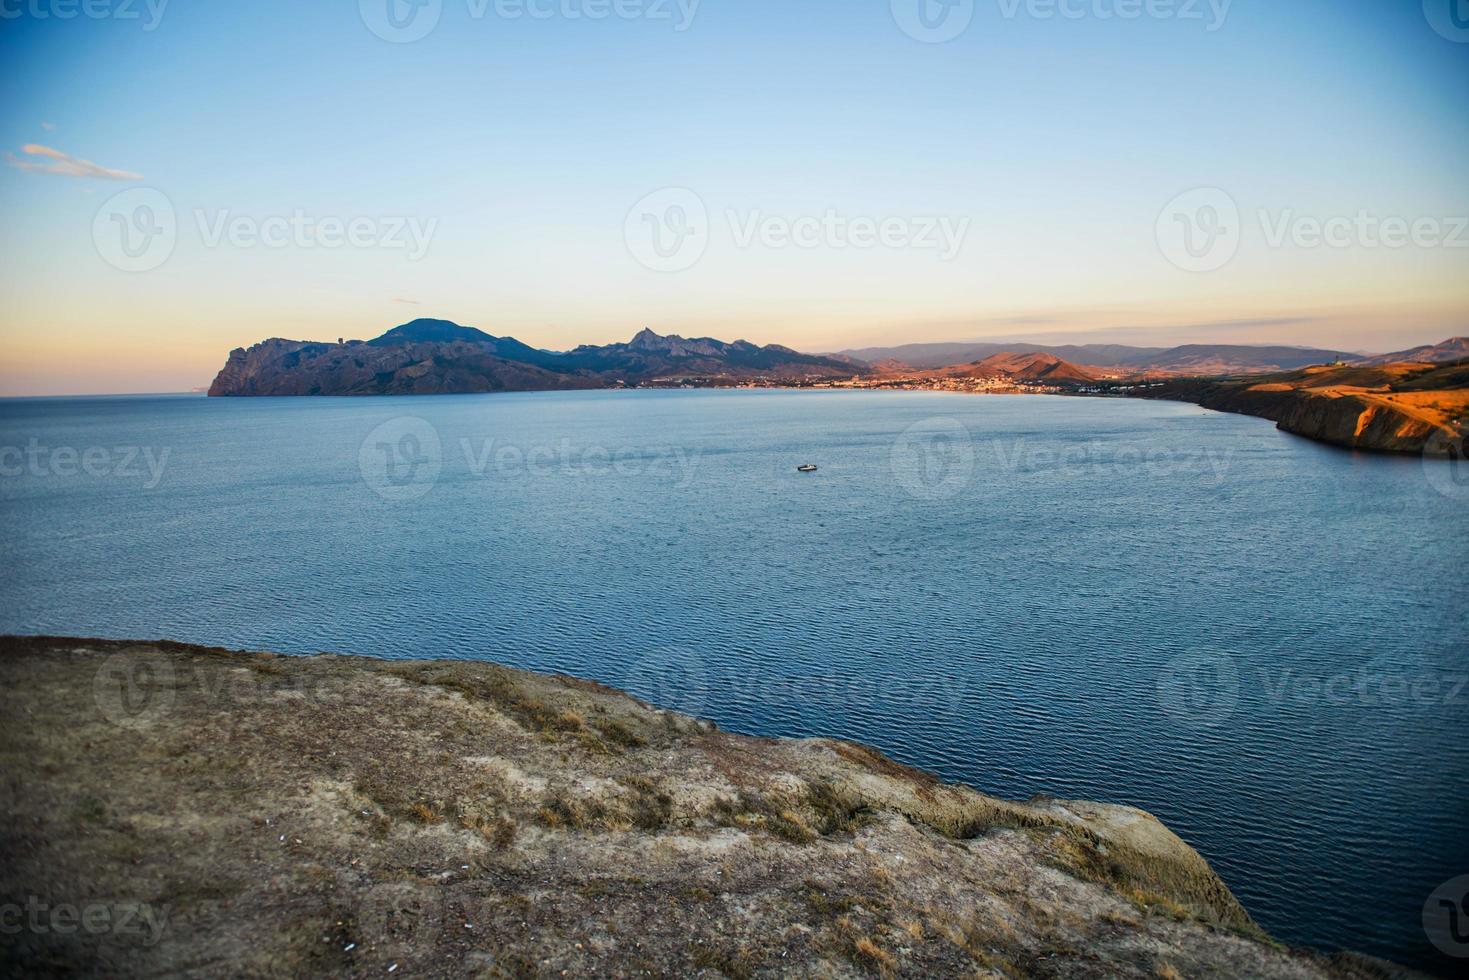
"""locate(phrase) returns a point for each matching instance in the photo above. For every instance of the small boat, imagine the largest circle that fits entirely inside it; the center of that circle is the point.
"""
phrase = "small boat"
(808, 468)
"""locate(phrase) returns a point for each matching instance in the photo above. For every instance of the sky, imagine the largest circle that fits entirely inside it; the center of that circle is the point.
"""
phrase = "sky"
(180, 177)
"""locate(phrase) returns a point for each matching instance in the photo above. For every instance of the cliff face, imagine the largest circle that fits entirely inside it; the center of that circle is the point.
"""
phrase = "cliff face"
(1402, 408)
(264, 815)
(429, 357)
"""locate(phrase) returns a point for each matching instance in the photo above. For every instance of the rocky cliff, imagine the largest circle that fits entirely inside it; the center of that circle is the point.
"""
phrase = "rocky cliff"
(244, 814)
(1400, 408)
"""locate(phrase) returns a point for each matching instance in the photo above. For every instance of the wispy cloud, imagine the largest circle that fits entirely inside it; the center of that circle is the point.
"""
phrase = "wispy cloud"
(410, 302)
(64, 165)
(48, 127)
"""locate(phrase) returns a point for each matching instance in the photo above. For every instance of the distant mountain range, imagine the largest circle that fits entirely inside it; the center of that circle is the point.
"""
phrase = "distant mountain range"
(440, 357)
(1453, 349)
(428, 357)
(1185, 360)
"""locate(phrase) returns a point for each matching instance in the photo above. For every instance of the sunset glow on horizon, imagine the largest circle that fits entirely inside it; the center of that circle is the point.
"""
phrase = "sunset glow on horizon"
(824, 176)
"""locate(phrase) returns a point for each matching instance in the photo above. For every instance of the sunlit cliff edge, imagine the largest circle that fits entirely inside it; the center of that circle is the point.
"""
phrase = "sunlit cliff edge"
(1398, 407)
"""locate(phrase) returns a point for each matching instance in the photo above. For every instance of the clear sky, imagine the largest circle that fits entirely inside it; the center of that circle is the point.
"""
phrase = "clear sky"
(848, 172)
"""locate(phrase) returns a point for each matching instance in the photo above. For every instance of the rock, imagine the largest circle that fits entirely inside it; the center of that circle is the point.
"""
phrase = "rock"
(585, 831)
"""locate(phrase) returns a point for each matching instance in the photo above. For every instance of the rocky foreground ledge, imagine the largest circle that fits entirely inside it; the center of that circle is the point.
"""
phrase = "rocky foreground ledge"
(171, 809)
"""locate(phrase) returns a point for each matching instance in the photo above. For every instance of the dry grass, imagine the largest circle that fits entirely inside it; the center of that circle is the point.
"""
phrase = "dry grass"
(427, 812)
(736, 963)
(869, 953)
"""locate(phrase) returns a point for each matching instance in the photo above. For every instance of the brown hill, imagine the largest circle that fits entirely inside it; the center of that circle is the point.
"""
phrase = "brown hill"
(1453, 349)
(1027, 367)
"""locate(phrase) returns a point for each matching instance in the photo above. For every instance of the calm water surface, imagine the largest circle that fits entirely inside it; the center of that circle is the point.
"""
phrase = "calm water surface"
(1257, 638)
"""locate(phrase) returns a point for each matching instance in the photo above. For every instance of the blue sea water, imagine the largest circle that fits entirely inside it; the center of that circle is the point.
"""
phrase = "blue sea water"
(1260, 639)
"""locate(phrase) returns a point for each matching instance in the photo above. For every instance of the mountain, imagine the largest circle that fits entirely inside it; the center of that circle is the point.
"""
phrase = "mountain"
(1199, 359)
(946, 354)
(1206, 359)
(1022, 367)
(1453, 349)
(427, 357)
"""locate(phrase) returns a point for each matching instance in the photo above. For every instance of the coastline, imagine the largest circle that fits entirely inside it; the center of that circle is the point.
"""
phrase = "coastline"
(348, 814)
(1346, 419)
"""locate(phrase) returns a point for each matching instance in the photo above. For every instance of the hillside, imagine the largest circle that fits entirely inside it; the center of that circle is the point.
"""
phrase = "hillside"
(1189, 359)
(440, 357)
(1453, 349)
(261, 815)
(1406, 408)
(1021, 367)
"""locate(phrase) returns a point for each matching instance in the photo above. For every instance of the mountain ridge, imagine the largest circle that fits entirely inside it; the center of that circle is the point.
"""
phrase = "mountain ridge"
(430, 356)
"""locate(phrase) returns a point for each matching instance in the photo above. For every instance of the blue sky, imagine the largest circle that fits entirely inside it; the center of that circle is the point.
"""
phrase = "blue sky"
(519, 147)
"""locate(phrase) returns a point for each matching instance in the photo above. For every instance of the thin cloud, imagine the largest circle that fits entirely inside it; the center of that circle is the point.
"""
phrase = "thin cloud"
(48, 127)
(410, 302)
(64, 165)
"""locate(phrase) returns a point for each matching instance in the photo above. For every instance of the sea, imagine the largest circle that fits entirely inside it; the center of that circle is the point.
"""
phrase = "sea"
(1258, 638)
